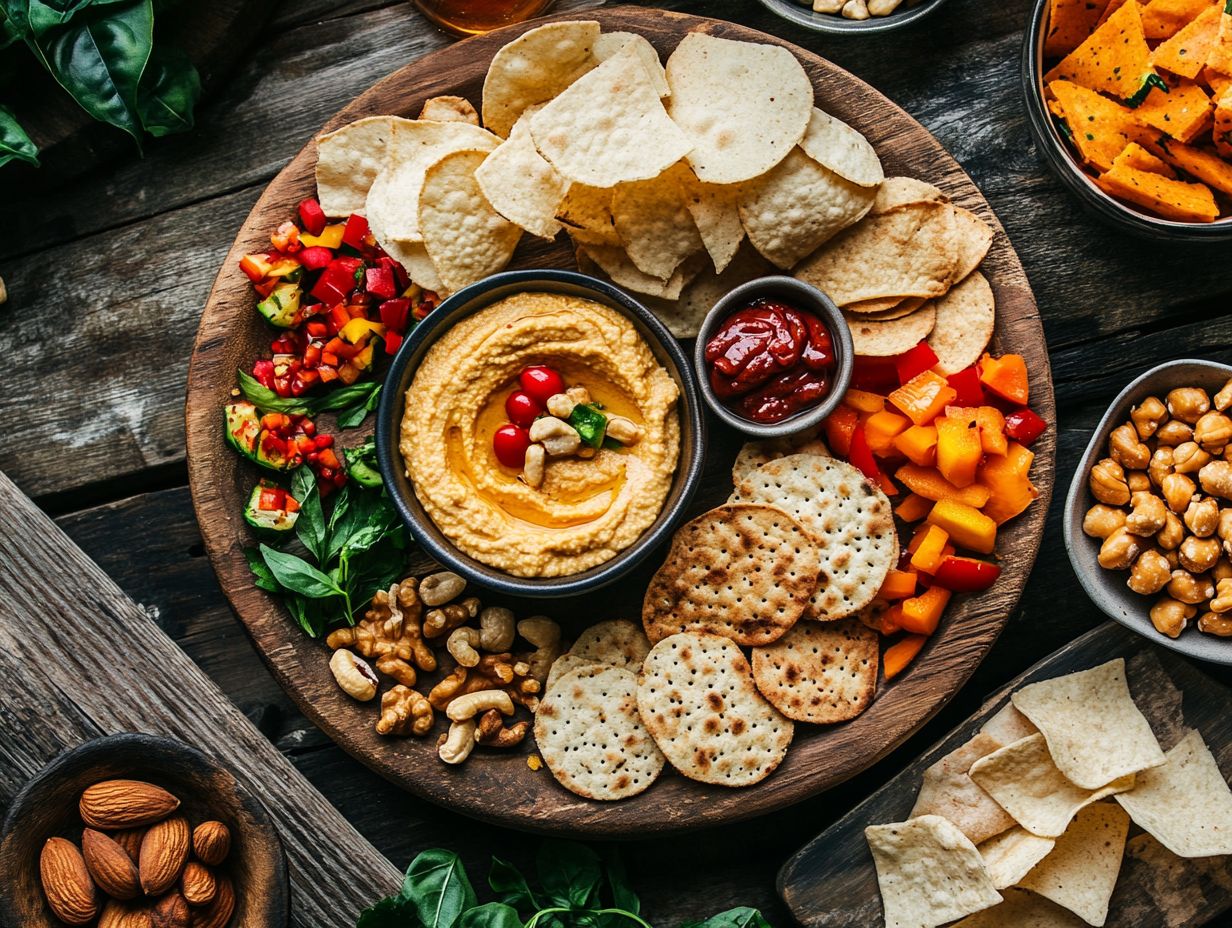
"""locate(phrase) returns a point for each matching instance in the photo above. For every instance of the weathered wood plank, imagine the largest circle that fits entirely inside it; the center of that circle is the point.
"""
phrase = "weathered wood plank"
(85, 652)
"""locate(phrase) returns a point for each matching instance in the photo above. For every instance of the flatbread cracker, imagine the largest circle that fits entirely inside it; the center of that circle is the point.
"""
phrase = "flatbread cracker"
(566, 663)
(592, 738)
(946, 789)
(618, 642)
(965, 319)
(819, 673)
(974, 237)
(1010, 855)
(894, 308)
(698, 700)
(886, 338)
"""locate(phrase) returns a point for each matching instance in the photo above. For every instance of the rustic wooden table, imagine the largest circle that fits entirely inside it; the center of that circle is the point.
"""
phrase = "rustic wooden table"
(107, 275)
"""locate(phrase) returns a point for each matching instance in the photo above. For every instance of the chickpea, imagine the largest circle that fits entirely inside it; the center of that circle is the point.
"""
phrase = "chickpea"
(1223, 399)
(1149, 515)
(1150, 573)
(1178, 490)
(1224, 531)
(1187, 457)
(1108, 483)
(1169, 616)
(1216, 479)
(1172, 534)
(1160, 466)
(1214, 624)
(1125, 448)
(1222, 570)
(1119, 550)
(1173, 432)
(1173, 559)
(1202, 516)
(1148, 416)
(1101, 521)
(1189, 588)
(1188, 403)
(1213, 430)
(1222, 600)
(1138, 481)
(1199, 555)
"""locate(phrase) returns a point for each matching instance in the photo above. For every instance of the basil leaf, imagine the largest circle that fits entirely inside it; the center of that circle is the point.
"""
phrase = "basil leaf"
(436, 882)
(378, 569)
(346, 396)
(298, 576)
(491, 915)
(362, 466)
(306, 613)
(267, 400)
(590, 424)
(310, 526)
(354, 416)
(14, 143)
(382, 522)
(623, 896)
(265, 577)
(570, 873)
(390, 912)
(169, 89)
(741, 917)
(99, 58)
(507, 882)
(10, 30)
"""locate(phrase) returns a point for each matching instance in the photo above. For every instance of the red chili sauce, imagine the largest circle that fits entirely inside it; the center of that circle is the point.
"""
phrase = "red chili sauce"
(770, 361)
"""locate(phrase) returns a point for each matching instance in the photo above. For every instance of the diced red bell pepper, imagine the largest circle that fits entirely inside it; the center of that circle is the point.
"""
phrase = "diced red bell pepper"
(312, 216)
(393, 341)
(966, 574)
(356, 229)
(1024, 426)
(840, 425)
(395, 314)
(861, 456)
(316, 257)
(401, 277)
(910, 364)
(316, 329)
(265, 287)
(966, 384)
(379, 281)
(876, 375)
(337, 280)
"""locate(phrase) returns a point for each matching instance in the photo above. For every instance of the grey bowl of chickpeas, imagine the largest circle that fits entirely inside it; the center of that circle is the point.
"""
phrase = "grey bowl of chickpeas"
(1148, 518)
(848, 16)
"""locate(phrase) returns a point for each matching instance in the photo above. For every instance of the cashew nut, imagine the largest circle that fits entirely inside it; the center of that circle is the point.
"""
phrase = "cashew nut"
(1222, 601)
(534, 466)
(1101, 520)
(855, 9)
(445, 619)
(1148, 416)
(625, 431)
(544, 634)
(1149, 515)
(456, 746)
(470, 705)
(496, 629)
(439, 588)
(461, 646)
(1169, 616)
(578, 394)
(558, 437)
(1139, 481)
(561, 405)
(353, 675)
(882, 7)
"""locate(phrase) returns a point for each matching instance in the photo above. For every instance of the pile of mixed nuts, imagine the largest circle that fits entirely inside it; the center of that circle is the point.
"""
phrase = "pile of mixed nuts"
(478, 695)
(140, 863)
(1164, 509)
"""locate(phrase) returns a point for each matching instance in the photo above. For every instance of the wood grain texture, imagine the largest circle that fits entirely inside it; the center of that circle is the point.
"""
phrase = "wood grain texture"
(230, 336)
(832, 883)
(91, 662)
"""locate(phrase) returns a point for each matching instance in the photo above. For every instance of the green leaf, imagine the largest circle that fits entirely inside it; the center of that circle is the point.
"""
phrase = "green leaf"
(507, 881)
(10, 31)
(310, 526)
(265, 579)
(14, 143)
(168, 92)
(298, 576)
(491, 915)
(590, 424)
(570, 873)
(741, 917)
(307, 614)
(1140, 95)
(378, 569)
(354, 416)
(390, 912)
(436, 882)
(623, 896)
(267, 400)
(99, 58)
(362, 465)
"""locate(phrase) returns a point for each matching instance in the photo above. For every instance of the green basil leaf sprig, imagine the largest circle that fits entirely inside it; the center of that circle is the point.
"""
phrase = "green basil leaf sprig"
(267, 400)
(741, 917)
(354, 416)
(168, 93)
(437, 883)
(310, 526)
(15, 145)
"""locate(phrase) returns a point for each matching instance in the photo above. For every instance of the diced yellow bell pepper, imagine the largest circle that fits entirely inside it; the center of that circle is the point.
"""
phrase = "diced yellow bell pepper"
(921, 614)
(880, 430)
(966, 525)
(1008, 481)
(913, 508)
(358, 329)
(958, 450)
(330, 237)
(898, 584)
(928, 482)
(919, 444)
(923, 397)
(929, 542)
(863, 401)
(898, 655)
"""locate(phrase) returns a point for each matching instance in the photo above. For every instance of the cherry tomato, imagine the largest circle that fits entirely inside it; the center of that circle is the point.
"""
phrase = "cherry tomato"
(510, 443)
(522, 408)
(541, 383)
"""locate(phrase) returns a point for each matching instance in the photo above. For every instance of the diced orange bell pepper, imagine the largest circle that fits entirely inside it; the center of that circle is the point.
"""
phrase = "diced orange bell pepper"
(923, 397)
(958, 450)
(919, 444)
(882, 617)
(913, 508)
(863, 401)
(966, 525)
(881, 428)
(898, 584)
(992, 430)
(1008, 481)
(898, 655)
(840, 426)
(1006, 376)
(922, 613)
(928, 482)
(928, 554)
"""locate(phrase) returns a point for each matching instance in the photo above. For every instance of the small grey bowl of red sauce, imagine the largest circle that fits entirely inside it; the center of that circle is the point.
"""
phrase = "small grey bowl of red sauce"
(773, 357)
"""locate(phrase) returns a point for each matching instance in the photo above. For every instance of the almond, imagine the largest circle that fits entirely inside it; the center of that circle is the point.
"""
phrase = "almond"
(113, 870)
(197, 883)
(130, 840)
(117, 914)
(164, 849)
(212, 843)
(115, 804)
(66, 882)
(218, 913)
(171, 911)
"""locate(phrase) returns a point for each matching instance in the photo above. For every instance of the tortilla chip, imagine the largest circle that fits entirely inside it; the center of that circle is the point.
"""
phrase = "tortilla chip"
(896, 310)
(1022, 909)
(449, 109)
(1162, 19)
(415, 261)
(1219, 58)
(1095, 733)
(1081, 872)
(904, 191)
(798, 206)
(521, 185)
(1172, 199)
(1223, 124)
(684, 315)
(609, 126)
(1099, 128)
(1183, 112)
(348, 160)
(1008, 725)
(1023, 779)
(1009, 856)
(1069, 23)
(1185, 804)
(835, 145)
(1186, 52)
(974, 237)
(929, 872)
(587, 214)
(885, 339)
(947, 790)
(965, 318)
(716, 212)
(612, 261)
(612, 43)
(534, 68)
(1220, 84)
(654, 223)
(1114, 59)
(1136, 157)
(742, 105)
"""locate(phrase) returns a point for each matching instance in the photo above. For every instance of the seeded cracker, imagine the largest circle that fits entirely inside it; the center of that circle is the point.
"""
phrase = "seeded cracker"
(698, 699)
(849, 518)
(745, 572)
(618, 642)
(569, 662)
(819, 673)
(753, 454)
(591, 735)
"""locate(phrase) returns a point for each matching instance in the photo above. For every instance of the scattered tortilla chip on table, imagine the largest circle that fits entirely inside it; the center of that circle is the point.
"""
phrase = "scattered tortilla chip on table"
(684, 315)
(819, 673)
(1114, 59)
(613, 261)
(1185, 53)
(449, 109)
(946, 789)
(1008, 725)
(1012, 854)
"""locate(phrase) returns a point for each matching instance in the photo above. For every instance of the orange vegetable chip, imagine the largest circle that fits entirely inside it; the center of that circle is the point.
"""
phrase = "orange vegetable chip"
(1162, 19)
(1223, 124)
(1220, 56)
(1185, 53)
(1115, 59)
(1206, 167)
(1183, 112)
(1069, 22)
(1136, 157)
(1219, 83)
(1172, 199)
(1111, 8)
(1100, 128)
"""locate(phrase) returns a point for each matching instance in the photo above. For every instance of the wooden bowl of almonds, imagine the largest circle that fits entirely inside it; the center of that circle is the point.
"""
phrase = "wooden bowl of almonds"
(137, 831)
(1148, 518)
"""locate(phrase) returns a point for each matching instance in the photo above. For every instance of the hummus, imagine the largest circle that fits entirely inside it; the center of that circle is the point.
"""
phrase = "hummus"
(587, 510)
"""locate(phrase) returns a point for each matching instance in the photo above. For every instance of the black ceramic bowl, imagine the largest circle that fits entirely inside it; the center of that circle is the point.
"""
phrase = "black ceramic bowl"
(806, 297)
(836, 24)
(469, 301)
(1064, 162)
(46, 807)
(1107, 588)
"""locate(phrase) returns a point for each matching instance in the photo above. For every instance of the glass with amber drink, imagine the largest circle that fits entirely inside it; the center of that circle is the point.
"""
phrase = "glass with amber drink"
(471, 17)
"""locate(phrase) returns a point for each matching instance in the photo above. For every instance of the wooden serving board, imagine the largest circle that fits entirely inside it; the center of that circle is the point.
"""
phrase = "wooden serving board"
(501, 788)
(832, 882)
